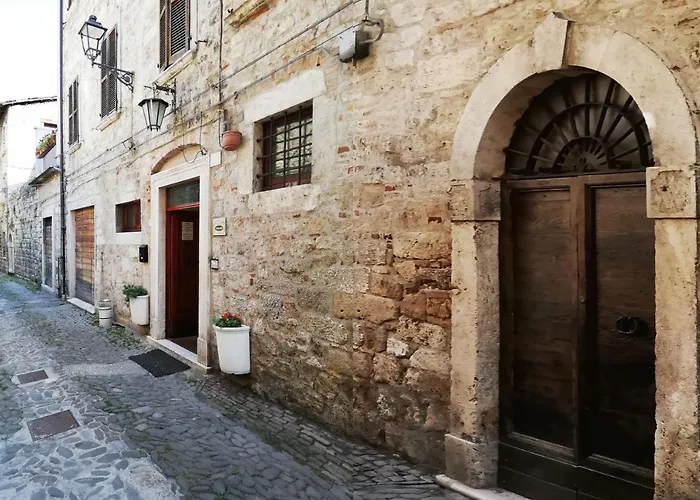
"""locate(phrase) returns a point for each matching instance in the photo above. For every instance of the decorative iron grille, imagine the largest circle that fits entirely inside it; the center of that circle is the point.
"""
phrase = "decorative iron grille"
(287, 148)
(580, 125)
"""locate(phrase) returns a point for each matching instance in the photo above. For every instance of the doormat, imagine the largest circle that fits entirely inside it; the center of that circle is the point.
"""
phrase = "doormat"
(51, 425)
(28, 378)
(159, 364)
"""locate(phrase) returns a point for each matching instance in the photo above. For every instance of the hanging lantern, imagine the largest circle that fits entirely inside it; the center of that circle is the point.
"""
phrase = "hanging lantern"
(91, 34)
(154, 112)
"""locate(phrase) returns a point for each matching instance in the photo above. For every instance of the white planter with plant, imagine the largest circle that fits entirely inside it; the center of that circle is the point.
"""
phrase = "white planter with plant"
(233, 344)
(139, 303)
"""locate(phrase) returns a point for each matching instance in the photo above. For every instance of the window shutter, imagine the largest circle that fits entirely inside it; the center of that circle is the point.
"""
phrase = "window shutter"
(108, 82)
(70, 113)
(179, 27)
(104, 80)
(76, 115)
(112, 58)
(164, 33)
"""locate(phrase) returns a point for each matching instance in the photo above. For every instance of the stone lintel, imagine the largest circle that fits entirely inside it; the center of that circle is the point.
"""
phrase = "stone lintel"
(472, 461)
(672, 192)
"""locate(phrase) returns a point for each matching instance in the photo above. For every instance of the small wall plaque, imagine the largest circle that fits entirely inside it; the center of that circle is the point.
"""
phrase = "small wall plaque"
(219, 226)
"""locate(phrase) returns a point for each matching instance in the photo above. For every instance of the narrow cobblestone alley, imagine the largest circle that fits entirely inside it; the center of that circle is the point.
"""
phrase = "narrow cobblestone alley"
(184, 436)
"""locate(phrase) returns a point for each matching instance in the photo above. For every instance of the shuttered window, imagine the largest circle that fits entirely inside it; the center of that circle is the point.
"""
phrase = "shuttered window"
(174, 30)
(73, 121)
(108, 83)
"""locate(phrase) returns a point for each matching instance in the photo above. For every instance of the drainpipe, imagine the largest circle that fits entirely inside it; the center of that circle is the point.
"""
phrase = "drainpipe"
(62, 291)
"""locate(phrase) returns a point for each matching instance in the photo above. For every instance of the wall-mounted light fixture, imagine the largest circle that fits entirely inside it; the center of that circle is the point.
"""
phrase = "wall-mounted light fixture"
(92, 34)
(154, 107)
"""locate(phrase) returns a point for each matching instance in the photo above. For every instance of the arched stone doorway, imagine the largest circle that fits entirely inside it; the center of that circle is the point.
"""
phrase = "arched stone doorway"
(577, 296)
(478, 167)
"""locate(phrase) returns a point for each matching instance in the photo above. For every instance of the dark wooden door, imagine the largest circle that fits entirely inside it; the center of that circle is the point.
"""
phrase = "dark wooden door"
(48, 251)
(577, 397)
(84, 253)
(182, 273)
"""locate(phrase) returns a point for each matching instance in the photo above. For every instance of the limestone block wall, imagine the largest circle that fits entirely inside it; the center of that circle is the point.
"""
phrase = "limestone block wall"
(346, 281)
(24, 222)
(26, 209)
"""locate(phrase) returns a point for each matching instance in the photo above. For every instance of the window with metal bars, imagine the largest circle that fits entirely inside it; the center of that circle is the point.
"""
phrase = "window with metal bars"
(128, 217)
(108, 80)
(287, 148)
(174, 30)
(73, 118)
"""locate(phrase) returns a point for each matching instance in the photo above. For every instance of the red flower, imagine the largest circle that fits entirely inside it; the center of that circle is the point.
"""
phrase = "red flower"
(226, 315)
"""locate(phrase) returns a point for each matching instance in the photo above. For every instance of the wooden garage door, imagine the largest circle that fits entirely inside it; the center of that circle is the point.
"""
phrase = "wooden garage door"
(48, 252)
(84, 253)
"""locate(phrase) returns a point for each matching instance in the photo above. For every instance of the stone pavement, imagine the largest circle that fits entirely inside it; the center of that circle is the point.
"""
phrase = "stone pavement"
(185, 436)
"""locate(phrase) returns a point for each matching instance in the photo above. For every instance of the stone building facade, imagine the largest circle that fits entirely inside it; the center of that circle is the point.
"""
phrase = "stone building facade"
(373, 290)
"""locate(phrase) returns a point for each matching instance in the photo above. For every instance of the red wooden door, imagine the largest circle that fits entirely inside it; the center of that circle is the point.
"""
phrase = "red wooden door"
(182, 278)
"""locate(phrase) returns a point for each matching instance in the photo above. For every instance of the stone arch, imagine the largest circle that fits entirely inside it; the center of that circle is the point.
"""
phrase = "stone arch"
(173, 153)
(558, 44)
(557, 47)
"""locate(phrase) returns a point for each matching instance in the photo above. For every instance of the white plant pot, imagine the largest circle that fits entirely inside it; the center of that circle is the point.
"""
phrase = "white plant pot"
(233, 345)
(140, 310)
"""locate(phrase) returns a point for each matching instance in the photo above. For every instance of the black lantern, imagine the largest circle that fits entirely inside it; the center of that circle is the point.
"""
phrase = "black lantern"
(154, 112)
(92, 34)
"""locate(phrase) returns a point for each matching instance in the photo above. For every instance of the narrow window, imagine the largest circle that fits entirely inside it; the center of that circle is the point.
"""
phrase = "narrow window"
(128, 217)
(287, 145)
(73, 120)
(108, 83)
(174, 30)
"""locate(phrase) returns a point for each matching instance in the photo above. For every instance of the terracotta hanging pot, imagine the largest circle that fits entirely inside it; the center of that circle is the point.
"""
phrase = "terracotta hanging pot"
(231, 139)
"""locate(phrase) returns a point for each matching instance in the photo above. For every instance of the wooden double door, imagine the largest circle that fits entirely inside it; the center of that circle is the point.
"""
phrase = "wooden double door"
(577, 362)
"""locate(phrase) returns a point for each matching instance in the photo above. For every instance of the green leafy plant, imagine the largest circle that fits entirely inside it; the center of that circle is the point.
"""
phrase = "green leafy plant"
(228, 320)
(45, 145)
(133, 291)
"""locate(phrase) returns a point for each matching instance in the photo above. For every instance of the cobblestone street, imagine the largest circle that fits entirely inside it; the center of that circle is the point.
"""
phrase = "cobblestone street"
(184, 436)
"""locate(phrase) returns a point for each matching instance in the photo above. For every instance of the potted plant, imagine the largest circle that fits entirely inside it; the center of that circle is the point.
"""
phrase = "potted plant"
(47, 142)
(231, 139)
(138, 303)
(233, 344)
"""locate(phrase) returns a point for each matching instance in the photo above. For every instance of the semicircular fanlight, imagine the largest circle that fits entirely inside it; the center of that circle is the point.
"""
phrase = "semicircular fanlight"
(580, 125)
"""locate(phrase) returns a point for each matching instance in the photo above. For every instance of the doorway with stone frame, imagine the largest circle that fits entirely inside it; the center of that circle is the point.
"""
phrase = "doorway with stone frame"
(478, 171)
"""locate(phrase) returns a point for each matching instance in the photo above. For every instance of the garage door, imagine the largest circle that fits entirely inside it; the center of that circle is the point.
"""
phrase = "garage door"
(84, 253)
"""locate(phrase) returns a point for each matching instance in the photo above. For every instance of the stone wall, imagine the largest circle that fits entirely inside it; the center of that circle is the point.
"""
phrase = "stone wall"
(24, 224)
(346, 281)
(26, 209)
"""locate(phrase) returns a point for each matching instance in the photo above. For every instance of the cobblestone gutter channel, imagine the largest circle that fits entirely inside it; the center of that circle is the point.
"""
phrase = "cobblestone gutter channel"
(185, 436)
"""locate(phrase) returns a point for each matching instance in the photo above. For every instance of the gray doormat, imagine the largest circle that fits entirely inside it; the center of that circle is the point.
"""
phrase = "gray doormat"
(51, 425)
(159, 364)
(26, 378)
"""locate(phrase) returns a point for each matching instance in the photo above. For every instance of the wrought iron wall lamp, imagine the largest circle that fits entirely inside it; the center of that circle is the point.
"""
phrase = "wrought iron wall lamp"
(92, 33)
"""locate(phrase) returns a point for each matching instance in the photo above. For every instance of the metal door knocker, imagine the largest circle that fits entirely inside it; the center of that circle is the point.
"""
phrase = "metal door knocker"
(631, 326)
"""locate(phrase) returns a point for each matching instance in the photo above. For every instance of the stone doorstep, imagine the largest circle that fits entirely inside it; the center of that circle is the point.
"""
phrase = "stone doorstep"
(474, 493)
(82, 305)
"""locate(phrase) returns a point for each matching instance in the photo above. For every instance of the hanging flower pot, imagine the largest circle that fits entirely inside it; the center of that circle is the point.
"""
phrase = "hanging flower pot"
(231, 139)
